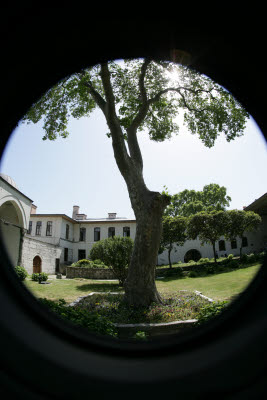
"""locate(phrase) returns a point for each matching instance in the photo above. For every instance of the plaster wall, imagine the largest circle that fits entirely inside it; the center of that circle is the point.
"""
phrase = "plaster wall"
(46, 251)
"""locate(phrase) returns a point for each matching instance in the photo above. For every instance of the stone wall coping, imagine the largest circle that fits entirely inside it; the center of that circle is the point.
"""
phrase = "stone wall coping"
(147, 325)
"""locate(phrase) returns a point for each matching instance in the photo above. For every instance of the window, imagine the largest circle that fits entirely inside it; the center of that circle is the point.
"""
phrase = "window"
(244, 241)
(49, 228)
(82, 234)
(67, 231)
(126, 231)
(66, 254)
(221, 245)
(38, 228)
(233, 244)
(30, 228)
(111, 232)
(81, 255)
(96, 234)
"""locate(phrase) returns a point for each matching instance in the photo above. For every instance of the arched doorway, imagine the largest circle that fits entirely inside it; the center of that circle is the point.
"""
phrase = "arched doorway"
(192, 254)
(11, 229)
(37, 265)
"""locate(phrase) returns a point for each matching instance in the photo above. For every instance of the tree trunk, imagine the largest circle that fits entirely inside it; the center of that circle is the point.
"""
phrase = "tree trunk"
(214, 252)
(140, 286)
(241, 248)
(169, 256)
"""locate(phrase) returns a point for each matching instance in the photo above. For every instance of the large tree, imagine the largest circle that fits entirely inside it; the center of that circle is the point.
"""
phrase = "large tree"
(208, 227)
(173, 232)
(212, 197)
(241, 221)
(138, 96)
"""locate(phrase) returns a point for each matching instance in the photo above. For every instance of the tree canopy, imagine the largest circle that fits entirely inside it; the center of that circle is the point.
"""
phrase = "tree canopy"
(146, 94)
(188, 202)
(208, 227)
(241, 221)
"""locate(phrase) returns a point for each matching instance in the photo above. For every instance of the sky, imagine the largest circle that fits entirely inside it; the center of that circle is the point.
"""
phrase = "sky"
(81, 169)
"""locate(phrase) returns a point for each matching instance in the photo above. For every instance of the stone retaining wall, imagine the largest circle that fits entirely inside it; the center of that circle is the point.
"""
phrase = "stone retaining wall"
(167, 328)
(104, 273)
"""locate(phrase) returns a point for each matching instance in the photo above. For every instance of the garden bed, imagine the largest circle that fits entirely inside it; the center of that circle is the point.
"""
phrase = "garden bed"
(175, 314)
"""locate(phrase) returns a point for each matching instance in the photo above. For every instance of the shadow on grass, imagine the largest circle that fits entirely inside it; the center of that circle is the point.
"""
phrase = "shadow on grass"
(100, 287)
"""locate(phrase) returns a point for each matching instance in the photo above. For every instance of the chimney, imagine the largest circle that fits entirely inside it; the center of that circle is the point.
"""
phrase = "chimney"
(112, 215)
(33, 209)
(75, 211)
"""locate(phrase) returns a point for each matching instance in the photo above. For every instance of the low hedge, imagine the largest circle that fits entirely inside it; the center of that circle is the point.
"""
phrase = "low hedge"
(92, 321)
(85, 263)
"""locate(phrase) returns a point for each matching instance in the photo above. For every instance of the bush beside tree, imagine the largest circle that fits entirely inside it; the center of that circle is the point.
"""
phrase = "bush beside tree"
(115, 252)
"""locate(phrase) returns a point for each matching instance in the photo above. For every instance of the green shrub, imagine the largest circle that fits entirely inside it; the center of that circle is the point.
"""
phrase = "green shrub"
(79, 316)
(43, 276)
(192, 274)
(85, 263)
(177, 272)
(82, 263)
(233, 264)
(210, 311)
(191, 262)
(140, 335)
(244, 258)
(21, 273)
(98, 262)
(210, 270)
(204, 260)
(251, 258)
(115, 252)
(230, 256)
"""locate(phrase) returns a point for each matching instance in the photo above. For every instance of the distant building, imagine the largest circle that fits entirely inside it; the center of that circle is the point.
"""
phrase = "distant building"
(50, 242)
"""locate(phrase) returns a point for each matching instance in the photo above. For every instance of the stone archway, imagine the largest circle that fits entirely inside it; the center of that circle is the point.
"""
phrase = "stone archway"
(12, 230)
(37, 265)
(192, 254)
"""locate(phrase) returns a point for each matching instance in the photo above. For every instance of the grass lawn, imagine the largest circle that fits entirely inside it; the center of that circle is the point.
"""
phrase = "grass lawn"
(218, 287)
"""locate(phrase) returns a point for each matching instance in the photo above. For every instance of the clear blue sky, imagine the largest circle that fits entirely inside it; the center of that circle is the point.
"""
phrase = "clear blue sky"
(81, 169)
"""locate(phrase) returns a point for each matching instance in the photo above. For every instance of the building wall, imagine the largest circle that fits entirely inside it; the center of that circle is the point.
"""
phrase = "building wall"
(73, 244)
(89, 241)
(14, 216)
(255, 243)
(47, 252)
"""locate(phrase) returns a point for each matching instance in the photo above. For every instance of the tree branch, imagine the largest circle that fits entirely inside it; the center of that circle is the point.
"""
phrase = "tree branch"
(132, 130)
(96, 96)
(178, 90)
(118, 143)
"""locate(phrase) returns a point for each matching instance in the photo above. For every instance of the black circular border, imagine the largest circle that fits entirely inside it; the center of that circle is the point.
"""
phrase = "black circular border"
(43, 358)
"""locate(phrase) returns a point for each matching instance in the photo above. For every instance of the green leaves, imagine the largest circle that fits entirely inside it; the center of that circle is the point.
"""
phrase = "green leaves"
(241, 221)
(159, 89)
(209, 227)
(189, 202)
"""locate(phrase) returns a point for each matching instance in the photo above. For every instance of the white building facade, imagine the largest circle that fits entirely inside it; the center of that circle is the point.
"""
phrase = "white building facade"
(50, 242)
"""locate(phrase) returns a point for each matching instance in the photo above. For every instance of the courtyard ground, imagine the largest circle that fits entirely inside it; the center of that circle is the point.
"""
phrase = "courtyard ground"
(223, 286)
